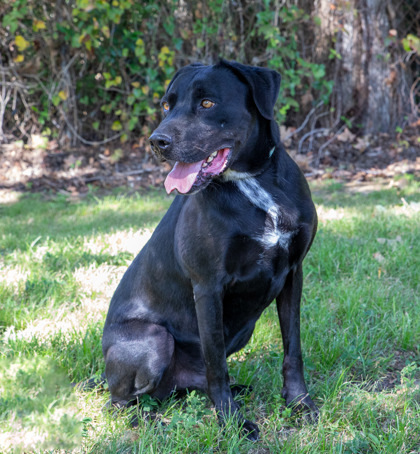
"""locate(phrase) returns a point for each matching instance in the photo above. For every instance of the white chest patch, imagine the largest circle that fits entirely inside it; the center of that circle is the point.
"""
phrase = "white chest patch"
(273, 233)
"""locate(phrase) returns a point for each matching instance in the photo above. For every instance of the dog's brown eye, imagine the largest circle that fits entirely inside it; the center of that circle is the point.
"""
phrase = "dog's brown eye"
(165, 106)
(207, 103)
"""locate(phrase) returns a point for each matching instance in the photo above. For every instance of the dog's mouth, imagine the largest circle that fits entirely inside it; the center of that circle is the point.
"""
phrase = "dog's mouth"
(189, 177)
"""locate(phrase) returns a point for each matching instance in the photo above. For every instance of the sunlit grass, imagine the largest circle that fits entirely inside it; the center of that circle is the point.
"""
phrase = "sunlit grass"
(61, 260)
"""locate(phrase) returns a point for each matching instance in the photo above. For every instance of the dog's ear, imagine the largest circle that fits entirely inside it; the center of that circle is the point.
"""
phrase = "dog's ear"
(264, 84)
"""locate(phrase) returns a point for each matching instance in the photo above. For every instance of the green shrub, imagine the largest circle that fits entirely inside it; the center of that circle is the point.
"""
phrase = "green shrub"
(95, 69)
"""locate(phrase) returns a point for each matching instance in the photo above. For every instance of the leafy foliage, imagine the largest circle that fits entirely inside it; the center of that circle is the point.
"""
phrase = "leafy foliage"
(96, 69)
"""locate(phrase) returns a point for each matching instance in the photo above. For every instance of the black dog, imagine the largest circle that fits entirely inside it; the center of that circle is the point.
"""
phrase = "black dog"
(220, 255)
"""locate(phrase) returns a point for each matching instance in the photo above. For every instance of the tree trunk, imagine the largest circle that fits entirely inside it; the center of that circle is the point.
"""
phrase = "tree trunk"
(371, 82)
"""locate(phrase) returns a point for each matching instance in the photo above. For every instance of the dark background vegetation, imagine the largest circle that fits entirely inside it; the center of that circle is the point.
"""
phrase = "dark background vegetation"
(83, 73)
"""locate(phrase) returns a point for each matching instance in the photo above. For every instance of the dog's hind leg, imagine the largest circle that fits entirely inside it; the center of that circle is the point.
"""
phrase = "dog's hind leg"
(137, 356)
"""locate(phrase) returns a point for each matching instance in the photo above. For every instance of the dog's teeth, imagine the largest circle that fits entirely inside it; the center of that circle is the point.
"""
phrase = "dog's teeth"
(211, 157)
(204, 165)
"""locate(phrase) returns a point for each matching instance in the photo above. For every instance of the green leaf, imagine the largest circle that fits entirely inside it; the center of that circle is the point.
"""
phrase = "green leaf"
(132, 123)
(137, 92)
(318, 71)
(56, 100)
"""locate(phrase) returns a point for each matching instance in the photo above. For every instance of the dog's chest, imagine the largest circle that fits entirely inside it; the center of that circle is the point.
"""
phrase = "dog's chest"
(276, 231)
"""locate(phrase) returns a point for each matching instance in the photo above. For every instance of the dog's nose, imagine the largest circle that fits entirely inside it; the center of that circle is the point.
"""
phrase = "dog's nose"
(160, 141)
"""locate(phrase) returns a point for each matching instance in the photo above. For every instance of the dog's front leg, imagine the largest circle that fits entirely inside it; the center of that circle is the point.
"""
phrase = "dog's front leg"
(288, 307)
(209, 311)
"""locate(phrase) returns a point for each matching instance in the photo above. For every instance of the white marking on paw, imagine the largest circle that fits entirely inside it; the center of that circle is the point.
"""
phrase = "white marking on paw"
(260, 198)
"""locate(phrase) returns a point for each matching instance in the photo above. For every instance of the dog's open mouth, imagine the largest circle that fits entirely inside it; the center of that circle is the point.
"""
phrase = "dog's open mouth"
(187, 176)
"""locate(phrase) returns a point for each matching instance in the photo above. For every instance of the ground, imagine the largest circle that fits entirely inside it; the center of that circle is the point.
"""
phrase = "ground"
(43, 166)
(64, 249)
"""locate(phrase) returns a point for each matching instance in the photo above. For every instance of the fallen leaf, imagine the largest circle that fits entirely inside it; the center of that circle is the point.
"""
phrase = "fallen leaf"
(346, 136)
(361, 144)
(379, 257)
(390, 241)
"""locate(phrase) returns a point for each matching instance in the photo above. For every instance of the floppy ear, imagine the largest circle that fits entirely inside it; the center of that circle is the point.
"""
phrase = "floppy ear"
(264, 84)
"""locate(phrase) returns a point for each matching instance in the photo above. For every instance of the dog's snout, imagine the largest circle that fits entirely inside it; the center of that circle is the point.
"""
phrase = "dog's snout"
(160, 141)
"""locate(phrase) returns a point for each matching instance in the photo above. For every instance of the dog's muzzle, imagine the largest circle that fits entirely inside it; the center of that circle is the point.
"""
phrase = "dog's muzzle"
(160, 143)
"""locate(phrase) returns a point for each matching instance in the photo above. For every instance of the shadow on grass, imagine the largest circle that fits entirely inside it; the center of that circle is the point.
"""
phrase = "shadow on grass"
(34, 220)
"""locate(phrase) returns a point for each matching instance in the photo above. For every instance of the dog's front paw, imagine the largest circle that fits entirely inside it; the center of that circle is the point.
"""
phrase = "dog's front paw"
(302, 405)
(249, 429)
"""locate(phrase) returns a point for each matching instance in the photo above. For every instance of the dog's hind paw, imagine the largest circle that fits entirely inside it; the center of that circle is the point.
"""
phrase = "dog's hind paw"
(251, 430)
(149, 416)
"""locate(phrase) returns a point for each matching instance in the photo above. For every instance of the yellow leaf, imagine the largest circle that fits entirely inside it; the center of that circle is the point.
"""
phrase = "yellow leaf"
(140, 42)
(118, 80)
(63, 95)
(105, 31)
(21, 43)
(135, 84)
(38, 25)
(116, 126)
(145, 90)
(165, 50)
(19, 59)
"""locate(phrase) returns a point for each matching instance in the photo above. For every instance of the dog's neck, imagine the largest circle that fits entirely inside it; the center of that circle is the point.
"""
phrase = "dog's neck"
(235, 175)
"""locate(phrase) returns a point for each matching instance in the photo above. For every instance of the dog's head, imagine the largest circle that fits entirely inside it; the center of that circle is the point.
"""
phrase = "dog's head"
(214, 119)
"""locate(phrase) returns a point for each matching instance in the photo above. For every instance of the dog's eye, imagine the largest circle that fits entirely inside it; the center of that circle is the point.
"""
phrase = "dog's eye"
(206, 103)
(165, 106)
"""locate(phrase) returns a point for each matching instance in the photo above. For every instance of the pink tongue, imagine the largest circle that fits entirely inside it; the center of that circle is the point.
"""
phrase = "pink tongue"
(182, 177)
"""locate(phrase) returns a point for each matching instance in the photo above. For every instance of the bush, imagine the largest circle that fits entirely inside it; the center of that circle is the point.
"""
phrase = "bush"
(94, 70)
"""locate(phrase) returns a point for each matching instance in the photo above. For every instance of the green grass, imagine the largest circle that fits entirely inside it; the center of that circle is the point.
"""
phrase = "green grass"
(60, 261)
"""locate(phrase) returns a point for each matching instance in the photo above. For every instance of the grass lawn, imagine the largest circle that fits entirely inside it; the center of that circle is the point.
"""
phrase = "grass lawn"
(60, 261)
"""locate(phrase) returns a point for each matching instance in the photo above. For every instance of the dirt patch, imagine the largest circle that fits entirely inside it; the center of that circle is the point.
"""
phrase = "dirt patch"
(392, 378)
(43, 166)
(24, 168)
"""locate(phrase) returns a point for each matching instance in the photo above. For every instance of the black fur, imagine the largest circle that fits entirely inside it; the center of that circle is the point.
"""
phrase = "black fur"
(193, 294)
